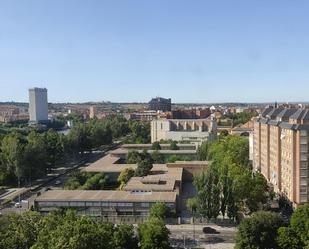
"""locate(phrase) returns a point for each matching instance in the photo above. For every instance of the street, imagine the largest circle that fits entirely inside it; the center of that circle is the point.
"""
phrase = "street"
(183, 236)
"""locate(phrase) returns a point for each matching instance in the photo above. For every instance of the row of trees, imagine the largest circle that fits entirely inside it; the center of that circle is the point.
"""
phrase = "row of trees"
(66, 230)
(267, 230)
(87, 181)
(27, 156)
(228, 185)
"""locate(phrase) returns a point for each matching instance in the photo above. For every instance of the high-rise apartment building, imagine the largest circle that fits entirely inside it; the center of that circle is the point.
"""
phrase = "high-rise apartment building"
(38, 106)
(160, 104)
(281, 151)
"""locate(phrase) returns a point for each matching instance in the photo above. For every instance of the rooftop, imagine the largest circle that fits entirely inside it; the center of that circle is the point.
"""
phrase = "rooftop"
(106, 195)
(122, 151)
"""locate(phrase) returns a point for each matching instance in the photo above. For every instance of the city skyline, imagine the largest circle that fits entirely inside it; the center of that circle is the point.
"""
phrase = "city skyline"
(204, 52)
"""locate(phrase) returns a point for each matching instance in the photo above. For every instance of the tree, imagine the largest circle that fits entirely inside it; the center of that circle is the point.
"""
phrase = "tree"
(124, 237)
(259, 231)
(35, 156)
(202, 151)
(154, 234)
(69, 231)
(173, 145)
(100, 133)
(140, 132)
(156, 146)
(223, 134)
(289, 239)
(143, 168)
(208, 193)
(54, 148)
(96, 182)
(12, 149)
(226, 191)
(21, 231)
(300, 223)
(192, 204)
(157, 157)
(133, 157)
(125, 176)
(80, 138)
(160, 210)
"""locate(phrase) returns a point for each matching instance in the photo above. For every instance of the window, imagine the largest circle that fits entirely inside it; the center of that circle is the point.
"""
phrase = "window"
(144, 204)
(303, 182)
(303, 172)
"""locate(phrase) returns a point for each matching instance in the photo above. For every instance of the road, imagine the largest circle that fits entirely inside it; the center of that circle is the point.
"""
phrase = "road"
(54, 182)
(187, 236)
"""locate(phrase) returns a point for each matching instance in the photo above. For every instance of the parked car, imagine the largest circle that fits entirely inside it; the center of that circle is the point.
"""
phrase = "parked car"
(17, 205)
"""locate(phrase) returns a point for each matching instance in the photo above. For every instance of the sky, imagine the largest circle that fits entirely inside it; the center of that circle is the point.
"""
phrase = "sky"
(132, 50)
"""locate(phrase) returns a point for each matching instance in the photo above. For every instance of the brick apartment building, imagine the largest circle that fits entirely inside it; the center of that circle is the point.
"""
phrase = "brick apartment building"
(280, 151)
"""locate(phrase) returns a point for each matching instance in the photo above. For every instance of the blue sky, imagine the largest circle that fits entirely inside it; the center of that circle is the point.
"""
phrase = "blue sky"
(132, 50)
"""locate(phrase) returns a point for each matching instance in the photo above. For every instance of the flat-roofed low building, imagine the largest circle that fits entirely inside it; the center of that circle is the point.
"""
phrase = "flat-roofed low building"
(190, 168)
(104, 203)
(161, 178)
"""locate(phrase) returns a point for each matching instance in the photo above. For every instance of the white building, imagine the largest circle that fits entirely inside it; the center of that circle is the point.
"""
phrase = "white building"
(38, 106)
(189, 130)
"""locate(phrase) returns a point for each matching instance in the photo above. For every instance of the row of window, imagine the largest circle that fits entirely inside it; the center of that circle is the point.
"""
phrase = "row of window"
(94, 204)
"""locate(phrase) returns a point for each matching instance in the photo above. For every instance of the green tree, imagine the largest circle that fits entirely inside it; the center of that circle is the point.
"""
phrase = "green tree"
(133, 157)
(174, 146)
(80, 138)
(100, 133)
(74, 232)
(54, 148)
(96, 182)
(12, 153)
(192, 204)
(208, 193)
(156, 146)
(21, 231)
(125, 176)
(157, 157)
(202, 151)
(143, 168)
(160, 210)
(289, 239)
(124, 237)
(154, 234)
(300, 223)
(140, 132)
(259, 231)
(35, 156)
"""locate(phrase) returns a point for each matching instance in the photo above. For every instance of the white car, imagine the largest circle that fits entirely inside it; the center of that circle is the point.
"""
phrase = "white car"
(17, 205)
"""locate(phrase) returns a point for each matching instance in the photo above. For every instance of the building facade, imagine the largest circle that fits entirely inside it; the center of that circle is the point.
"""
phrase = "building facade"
(196, 113)
(38, 105)
(160, 104)
(281, 152)
(189, 130)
